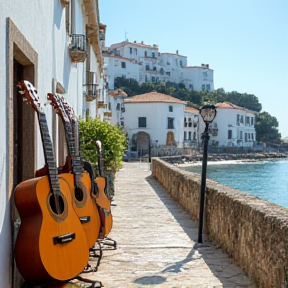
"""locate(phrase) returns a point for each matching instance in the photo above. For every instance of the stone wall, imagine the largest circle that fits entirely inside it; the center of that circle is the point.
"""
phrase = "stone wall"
(251, 230)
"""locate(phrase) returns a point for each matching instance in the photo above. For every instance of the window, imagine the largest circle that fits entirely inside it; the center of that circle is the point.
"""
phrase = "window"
(170, 108)
(130, 50)
(207, 87)
(229, 134)
(185, 135)
(168, 73)
(161, 71)
(123, 65)
(189, 135)
(135, 49)
(241, 119)
(153, 54)
(252, 121)
(205, 74)
(252, 136)
(153, 79)
(147, 67)
(170, 123)
(238, 120)
(154, 68)
(194, 135)
(145, 54)
(203, 87)
(191, 86)
(116, 63)
(181, 63)
(118, 106)
(241, 135)
(245, 137)
(247, 120)
(141, 122)
(146, 78)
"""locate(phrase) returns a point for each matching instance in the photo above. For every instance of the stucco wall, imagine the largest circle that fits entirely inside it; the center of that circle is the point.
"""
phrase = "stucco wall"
(251, 230)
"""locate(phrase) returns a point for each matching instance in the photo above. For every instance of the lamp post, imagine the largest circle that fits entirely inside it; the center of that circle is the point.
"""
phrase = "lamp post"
(208, 113)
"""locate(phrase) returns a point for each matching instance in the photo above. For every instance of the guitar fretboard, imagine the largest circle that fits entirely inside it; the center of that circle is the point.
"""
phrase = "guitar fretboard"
(76, 161)
(48, 153)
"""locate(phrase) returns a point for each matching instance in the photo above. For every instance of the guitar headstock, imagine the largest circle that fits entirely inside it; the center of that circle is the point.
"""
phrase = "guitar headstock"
(57, 104)
(30, 93)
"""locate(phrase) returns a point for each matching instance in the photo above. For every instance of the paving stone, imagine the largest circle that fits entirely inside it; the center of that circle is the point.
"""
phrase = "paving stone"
(157, 241)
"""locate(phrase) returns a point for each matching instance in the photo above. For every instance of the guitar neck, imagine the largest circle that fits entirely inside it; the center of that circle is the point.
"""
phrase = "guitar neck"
(48, 153)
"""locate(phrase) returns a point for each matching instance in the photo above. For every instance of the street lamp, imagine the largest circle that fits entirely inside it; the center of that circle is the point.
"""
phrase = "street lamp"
(208, 113)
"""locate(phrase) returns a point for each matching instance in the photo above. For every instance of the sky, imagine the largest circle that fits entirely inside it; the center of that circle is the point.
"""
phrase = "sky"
(245, 42)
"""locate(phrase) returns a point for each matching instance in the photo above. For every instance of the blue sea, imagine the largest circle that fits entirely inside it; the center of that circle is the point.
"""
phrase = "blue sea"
(265, 179)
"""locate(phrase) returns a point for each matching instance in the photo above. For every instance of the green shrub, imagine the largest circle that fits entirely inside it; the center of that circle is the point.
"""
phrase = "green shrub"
(113, 142)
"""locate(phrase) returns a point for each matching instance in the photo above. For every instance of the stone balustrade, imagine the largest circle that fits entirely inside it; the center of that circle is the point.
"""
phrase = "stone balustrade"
(252, 231)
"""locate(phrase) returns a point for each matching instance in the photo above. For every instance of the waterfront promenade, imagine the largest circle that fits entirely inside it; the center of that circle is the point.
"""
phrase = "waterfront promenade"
(157, 242)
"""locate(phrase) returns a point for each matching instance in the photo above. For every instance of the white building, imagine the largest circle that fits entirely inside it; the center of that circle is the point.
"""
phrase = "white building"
(198, 78)
(233, 126)
(144, 63)
(55, 45)
(191, 124)
(154, 119)
(116, 99)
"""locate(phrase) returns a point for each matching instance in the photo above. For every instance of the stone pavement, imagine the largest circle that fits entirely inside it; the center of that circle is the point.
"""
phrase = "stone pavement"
(157, 242)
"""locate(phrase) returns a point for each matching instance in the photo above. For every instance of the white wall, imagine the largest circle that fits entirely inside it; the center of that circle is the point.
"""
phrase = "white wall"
(156, 120)
(43, 25)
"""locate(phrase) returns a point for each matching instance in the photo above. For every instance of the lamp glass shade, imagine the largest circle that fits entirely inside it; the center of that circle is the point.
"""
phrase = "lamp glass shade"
(208, 113)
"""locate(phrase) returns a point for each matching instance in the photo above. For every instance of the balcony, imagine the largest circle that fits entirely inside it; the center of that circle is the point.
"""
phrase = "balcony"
(108, 114)
(91, 91)
(78, 48)
(64, 2)
(100, 104)
(213, 131)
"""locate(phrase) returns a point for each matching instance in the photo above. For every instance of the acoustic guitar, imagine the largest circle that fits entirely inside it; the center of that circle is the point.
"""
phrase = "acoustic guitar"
(102, 200)
(51, 244)
(99, 191)
(80, 181)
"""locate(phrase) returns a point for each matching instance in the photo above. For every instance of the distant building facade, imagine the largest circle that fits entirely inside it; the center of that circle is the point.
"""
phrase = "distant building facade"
(233, 126)
(154, 119)
(144, 63)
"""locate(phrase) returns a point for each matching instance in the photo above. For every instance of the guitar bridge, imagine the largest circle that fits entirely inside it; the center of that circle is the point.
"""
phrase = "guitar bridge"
(64, 238)
(85, 219)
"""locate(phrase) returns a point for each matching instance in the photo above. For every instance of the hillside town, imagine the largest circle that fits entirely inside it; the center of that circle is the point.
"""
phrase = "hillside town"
(59, 49)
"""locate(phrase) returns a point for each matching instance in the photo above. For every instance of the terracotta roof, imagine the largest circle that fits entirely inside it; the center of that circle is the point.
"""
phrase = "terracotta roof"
(153, 97)
(118, 92)
(191, 110)
(232, 106)
(119, 57)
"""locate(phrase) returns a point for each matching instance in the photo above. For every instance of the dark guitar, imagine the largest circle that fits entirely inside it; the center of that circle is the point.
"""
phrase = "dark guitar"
(102, 200)
(51, 243)
(80, 181)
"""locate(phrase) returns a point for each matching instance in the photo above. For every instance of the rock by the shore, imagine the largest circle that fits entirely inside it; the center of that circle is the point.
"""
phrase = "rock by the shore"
(224, 157)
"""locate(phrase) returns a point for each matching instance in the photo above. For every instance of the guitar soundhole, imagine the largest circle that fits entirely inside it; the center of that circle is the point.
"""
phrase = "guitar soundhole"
(79, 195)
(53, 201)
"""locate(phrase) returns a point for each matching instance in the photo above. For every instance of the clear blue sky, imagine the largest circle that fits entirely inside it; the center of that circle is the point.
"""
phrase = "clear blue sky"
(245, 42)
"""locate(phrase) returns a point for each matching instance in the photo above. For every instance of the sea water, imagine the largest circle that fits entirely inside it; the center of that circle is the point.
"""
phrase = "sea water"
(265, 179)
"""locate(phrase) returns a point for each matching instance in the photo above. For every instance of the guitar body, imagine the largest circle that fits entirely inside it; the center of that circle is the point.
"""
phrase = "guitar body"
(104, 206)
(50, 246)
(85, 206)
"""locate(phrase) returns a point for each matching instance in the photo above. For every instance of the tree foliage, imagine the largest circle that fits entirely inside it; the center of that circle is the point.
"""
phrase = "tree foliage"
(266, 128)
(197, 99)
(113, 140)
